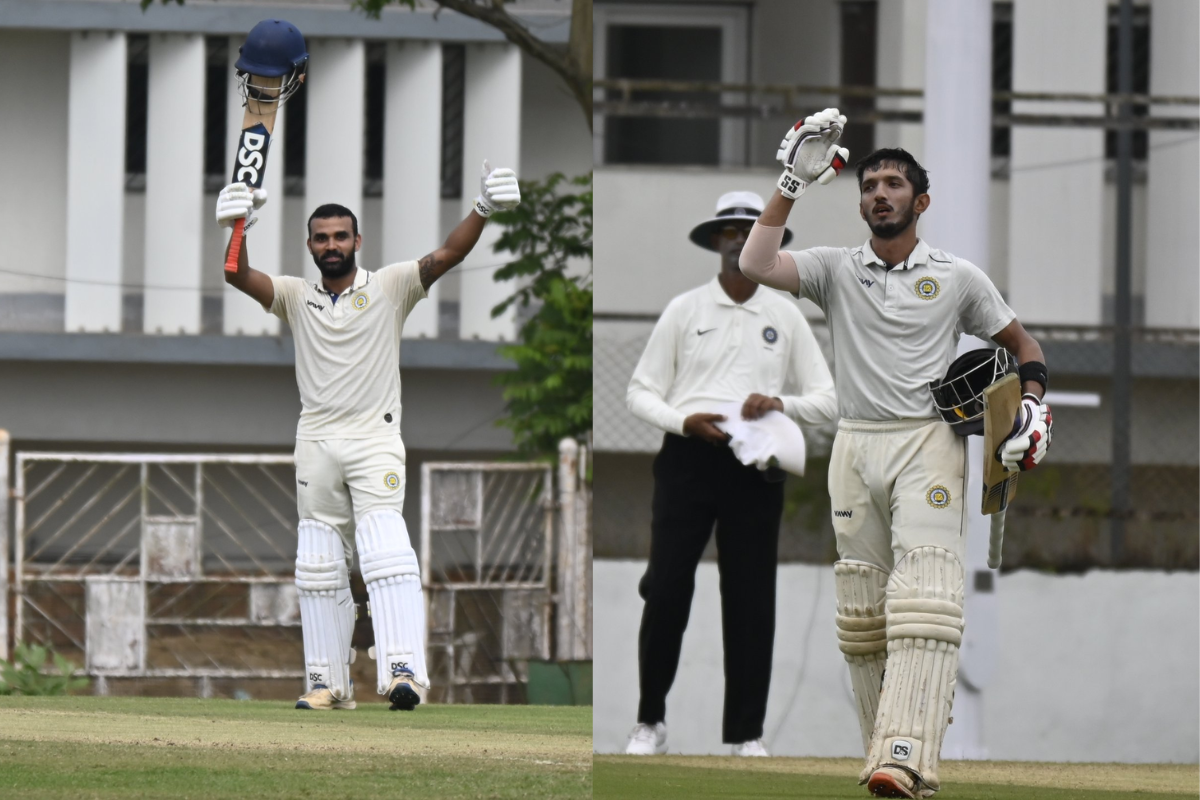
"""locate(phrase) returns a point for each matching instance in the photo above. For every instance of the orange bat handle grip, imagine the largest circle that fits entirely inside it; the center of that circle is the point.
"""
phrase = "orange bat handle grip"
(235, 245)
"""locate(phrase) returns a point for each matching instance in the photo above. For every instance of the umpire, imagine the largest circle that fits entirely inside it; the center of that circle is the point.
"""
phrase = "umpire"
(726, 341)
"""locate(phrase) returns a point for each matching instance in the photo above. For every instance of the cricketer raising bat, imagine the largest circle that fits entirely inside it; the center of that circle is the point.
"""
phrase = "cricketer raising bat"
(270, 69)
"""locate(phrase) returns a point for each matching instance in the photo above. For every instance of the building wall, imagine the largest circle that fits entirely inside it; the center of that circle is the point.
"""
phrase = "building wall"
(1072, 683)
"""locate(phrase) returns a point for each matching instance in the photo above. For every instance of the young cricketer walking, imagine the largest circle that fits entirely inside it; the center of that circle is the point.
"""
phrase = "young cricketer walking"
(349, 455)
(896, 307)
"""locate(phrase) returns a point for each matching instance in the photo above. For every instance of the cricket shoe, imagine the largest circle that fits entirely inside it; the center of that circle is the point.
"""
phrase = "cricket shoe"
(894, 781)
(405, 692)
(753, 748)
(647, 740)
(322, 699)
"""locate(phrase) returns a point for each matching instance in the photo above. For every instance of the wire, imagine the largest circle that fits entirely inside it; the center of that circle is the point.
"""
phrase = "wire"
(812, 618)
(1093, 159)
(145, 286)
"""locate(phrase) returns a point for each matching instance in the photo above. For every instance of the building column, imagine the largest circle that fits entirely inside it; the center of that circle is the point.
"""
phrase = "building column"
(958, 135)
(243, 316)
(411, 166)
(491, 130)
(1172, 280)
(174, 183)
(95, 181)
(333, 161)
(900, 64)
(1057, 220)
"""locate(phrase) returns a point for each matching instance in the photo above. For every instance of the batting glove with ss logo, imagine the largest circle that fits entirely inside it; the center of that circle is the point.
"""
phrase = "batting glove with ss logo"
(237, 200)
(809, 152)
(1030, 440)
(498, 190)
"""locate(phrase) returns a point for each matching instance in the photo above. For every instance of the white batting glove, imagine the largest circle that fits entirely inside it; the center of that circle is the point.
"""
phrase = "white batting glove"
(1030, 440)
(809, 152)
(238, 201)
(498, 190)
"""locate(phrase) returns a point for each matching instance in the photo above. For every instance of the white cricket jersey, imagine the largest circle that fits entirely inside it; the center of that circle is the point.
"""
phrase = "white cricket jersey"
(896, 330)
(348, 352)
(707, 350)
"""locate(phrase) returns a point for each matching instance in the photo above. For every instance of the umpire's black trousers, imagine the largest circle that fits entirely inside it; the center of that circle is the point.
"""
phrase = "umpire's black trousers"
(696, 484)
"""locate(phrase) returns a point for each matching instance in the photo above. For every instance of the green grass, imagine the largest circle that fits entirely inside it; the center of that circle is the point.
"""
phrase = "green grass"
(90, 747)
(702, 778)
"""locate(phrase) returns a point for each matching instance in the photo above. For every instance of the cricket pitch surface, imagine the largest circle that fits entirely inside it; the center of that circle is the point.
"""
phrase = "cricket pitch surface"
(704, 777)
(110, 747)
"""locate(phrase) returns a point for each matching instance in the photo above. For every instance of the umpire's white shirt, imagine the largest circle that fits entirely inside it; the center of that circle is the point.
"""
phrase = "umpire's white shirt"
(707, 350)
(348, 352)
(896, 330)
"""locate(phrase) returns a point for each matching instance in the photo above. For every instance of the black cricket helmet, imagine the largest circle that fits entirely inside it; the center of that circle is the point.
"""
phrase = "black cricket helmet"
(958, 397)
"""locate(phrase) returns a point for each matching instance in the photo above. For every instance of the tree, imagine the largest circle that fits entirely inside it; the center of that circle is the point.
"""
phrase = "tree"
(549, 395)
(574, 65)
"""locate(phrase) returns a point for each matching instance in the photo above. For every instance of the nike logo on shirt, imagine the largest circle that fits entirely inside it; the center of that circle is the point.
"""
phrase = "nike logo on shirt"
(701, 333)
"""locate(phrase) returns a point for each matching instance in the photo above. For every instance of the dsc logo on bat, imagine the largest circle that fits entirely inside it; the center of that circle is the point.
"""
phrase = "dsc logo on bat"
(252, 156)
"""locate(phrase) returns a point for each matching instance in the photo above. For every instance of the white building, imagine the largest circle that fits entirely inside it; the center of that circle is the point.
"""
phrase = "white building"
(116, 327)
(1051, 252)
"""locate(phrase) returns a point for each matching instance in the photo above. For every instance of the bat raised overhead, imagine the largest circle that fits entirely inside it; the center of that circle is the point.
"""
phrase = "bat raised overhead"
(271, 68)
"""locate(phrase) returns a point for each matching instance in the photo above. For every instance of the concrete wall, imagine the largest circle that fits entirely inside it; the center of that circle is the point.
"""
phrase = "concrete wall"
(1091, 668)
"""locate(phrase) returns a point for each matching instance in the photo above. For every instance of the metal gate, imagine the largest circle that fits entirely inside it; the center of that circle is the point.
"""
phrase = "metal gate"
(159, 565)
(486, 533)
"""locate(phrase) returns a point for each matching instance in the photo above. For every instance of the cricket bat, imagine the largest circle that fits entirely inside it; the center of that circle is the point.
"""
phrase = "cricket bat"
(250, 163)
(1000, 403)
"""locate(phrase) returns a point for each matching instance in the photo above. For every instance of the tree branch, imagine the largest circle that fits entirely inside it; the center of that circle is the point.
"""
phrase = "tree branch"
(571, 66)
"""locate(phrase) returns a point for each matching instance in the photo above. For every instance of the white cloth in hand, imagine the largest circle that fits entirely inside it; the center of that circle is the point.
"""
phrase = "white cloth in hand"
(772, 440)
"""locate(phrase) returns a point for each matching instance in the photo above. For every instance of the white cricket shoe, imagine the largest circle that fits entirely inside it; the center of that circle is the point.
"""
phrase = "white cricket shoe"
(753, 749)
(322, 699)
(647, 740)
(405, 692)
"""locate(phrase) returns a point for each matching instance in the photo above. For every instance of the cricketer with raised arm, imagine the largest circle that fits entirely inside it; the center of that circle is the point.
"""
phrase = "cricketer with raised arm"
(349, 454)
(896, 307)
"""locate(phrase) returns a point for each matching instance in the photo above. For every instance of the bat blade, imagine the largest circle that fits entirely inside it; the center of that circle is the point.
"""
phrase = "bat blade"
(250, 159)
(1000, 403)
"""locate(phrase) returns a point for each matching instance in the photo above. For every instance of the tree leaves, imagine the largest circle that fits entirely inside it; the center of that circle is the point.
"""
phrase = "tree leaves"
(549, 396)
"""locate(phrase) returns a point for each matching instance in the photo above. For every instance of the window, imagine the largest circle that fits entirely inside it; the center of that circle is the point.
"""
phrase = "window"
(670, 42)
(373, 131)
(216, 97)
(1002, 60)
(1141, 74)
(454, 66)
(137, 89)
(858, 69)
(671, 53)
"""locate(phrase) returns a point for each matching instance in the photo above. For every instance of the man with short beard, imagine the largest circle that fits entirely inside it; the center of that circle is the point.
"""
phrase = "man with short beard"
(896, 307)
(349, 455)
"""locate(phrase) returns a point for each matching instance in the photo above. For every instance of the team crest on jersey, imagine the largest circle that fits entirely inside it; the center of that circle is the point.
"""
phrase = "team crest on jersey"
(391, 480)
(361, 301)
(938, 497)
(770, 335)
(928, 288)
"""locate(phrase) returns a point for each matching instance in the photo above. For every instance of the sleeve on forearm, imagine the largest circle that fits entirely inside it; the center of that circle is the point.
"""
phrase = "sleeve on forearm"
(817, 403)
(652, 380)
(762, 262)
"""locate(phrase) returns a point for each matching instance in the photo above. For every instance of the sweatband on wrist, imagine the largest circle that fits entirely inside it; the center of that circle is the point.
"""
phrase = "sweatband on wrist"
(1034, 371)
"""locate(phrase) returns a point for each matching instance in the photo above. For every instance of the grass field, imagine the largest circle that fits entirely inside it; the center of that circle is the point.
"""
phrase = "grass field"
(703, 777)
(98, 747)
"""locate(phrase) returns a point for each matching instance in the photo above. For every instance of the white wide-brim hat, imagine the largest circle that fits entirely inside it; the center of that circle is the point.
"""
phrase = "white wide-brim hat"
(731, 206)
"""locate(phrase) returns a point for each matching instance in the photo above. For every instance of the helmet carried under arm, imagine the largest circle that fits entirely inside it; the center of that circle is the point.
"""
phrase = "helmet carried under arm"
(958, 397)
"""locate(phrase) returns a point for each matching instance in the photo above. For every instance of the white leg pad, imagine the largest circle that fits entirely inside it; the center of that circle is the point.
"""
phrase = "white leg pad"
(862, 635)
(326, 607)
(924, 632)
(393, 577)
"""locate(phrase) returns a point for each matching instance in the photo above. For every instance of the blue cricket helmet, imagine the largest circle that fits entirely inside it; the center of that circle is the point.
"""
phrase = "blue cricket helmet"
(273, 48)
